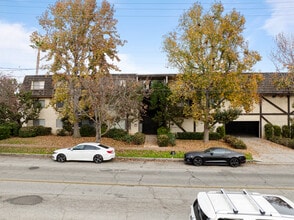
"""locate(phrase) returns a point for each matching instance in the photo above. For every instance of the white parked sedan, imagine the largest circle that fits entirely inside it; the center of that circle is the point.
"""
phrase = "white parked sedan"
(85, 152)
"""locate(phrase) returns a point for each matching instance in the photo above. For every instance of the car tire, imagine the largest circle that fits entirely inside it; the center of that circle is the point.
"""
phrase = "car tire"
(197, 161)
(61, 158)
(234, 162)
(98, 158)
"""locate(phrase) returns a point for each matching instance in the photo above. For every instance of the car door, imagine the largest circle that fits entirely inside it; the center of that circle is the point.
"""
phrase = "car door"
(77, 153)
(90, 151)
(215, 156)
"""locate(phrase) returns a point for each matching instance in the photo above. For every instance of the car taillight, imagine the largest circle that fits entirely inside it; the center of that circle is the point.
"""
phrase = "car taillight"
(110, 151)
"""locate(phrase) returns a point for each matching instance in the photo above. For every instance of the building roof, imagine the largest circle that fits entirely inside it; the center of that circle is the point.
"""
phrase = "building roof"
(46, 92)
(268, 87)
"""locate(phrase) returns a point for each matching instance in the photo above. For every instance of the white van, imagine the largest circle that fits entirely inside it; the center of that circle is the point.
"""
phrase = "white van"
(225, 205)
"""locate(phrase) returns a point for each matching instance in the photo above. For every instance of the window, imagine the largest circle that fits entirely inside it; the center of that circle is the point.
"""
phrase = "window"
(59, 104)
(90, 147)
(39, 103)
(59, 123)
(39, 122)
(37, 85)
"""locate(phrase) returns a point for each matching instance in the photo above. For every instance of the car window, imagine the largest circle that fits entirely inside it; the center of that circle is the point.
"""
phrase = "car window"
(103, 146)
(78, 147)
(91, 147)
(219, 151)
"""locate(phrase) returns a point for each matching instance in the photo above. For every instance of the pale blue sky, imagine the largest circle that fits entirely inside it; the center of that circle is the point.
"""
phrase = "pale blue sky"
(142, 23)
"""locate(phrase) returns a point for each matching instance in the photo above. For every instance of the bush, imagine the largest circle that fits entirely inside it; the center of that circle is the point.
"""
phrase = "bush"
(269, 131)
(235, 142)
(42, 131)
(27, 132)
(87, 131)
(13, 128)
(139, 138)
(189, 135)
(286, 132)
(4, 132)
(116, 133)
(171, 139)
(162, 130)
(197, 136)
(221, 131)
(292, 130)
(162, 140)
(62, 132)
(277, 131)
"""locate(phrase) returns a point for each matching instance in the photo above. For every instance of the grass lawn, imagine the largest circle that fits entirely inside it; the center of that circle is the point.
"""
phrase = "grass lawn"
(47, 144)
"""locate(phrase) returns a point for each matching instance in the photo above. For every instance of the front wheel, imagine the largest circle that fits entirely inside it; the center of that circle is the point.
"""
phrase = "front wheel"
(197, 161)
(234, 162)
(98, 158)
(61, 158)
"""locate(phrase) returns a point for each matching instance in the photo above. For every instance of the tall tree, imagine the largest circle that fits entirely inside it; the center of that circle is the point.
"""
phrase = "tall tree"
(167, 112)
(283, 59)
(212, 56)
(107, 101)
(80, 39)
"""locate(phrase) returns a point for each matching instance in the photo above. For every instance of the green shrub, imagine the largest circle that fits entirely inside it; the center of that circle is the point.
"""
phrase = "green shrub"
(162, 130)
(13, 128)
(171, 139)
(269, 131)
(42, 131)
(30, 131)
(189, 135)
(162, 140)
(221, 131)
(197, 136)
(116, 133)
(87, 131)
(277, 131)
(139, 138)
(62, 132)
(4, 132)
(235, 142)
(214, 136)
(286, 132)
(292, 130)
(127, 138)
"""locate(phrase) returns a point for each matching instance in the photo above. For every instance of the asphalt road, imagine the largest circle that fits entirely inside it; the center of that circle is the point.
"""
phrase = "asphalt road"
(38, 188)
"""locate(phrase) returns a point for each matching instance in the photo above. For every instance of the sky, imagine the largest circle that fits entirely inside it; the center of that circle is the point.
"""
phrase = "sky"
(143, 24)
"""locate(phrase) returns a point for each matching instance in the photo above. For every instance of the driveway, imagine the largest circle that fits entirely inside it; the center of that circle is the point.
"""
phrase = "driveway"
(269, 153)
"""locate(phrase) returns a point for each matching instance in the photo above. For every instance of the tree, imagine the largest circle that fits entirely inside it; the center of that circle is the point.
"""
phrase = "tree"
(212, 56)
(80, 39)
(283, 59)
(16, 105)
(106, 101)
(166, 111)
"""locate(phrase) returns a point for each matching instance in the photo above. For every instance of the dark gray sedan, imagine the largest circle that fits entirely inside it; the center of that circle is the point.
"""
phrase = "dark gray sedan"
(215, 155)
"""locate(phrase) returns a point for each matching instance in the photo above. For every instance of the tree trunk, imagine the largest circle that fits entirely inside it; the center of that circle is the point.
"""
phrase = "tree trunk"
(206, 133)
(76, 130)
(98, 132)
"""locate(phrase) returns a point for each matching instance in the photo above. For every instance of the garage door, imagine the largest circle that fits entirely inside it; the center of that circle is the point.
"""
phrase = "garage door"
(243, 128)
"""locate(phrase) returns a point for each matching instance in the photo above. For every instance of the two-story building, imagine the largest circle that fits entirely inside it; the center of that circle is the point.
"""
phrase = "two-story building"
(275, 107)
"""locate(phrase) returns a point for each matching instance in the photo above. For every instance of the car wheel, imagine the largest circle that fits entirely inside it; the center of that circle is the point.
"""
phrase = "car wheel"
(61, 158)
(98, 158)
(197, 161)
(234, 162)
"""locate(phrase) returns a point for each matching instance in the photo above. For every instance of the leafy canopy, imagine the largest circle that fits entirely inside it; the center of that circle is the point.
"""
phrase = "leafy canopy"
(212, 56)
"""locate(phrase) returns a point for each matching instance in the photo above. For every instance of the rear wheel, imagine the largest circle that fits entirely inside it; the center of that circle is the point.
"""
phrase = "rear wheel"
(61, 158)
(197, 161)
(98, 158)
(234, 162)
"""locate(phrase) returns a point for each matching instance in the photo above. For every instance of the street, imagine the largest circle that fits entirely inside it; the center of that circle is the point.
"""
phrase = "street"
(39, 188)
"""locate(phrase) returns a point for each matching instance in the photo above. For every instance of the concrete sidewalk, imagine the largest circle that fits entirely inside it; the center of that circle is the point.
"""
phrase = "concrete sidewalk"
(268, 152)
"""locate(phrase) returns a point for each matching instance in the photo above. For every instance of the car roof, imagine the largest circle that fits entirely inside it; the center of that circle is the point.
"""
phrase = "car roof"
(222, 203)
(90, 143)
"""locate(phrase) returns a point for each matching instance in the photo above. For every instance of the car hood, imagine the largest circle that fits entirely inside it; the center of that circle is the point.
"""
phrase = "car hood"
(62, 150)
